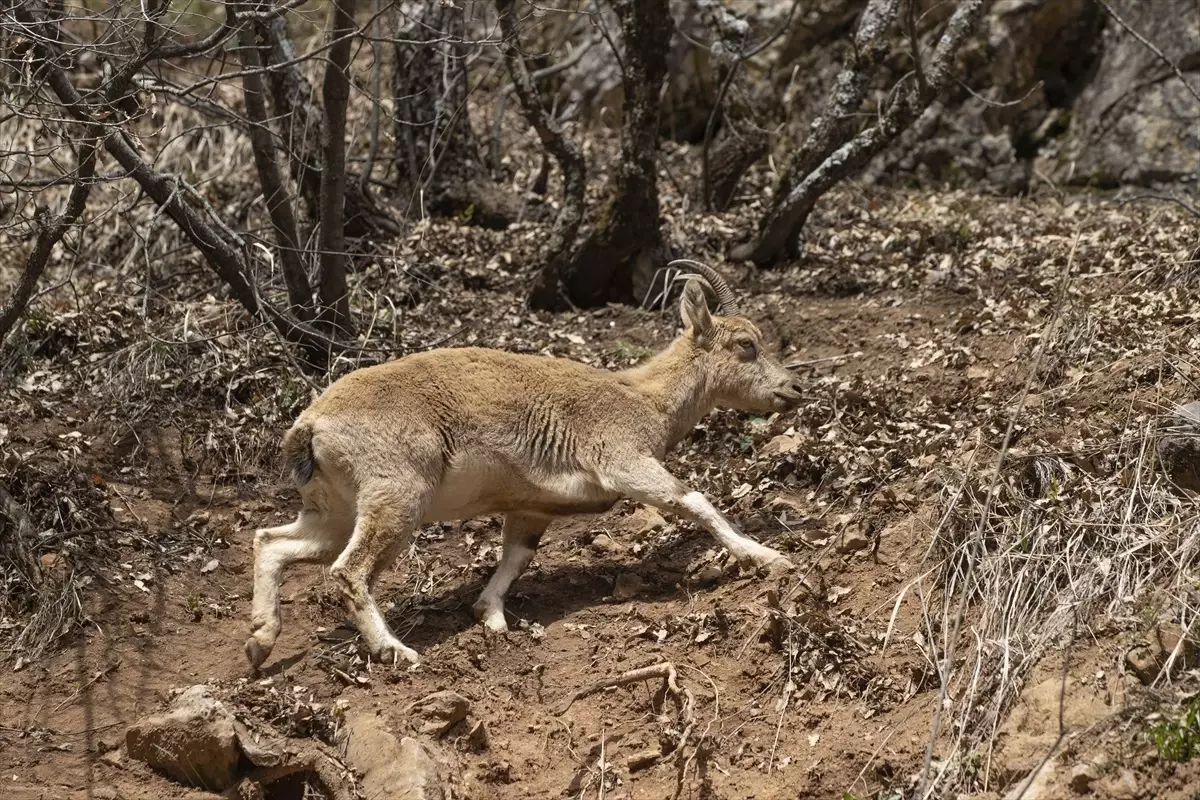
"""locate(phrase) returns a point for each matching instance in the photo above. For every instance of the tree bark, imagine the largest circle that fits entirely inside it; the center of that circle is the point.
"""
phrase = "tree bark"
(616, 262)
(437, 155)
(50, 232)
(335, 94)
(733, 154)
(302, 135)
(829, 131)
(275, 194)
(545, 293)
(826, 156)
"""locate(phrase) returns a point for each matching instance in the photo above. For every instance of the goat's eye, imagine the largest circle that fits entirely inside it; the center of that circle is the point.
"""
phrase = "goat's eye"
(747, 351)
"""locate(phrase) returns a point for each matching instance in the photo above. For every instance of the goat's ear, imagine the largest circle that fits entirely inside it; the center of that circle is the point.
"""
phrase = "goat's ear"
(694, 309)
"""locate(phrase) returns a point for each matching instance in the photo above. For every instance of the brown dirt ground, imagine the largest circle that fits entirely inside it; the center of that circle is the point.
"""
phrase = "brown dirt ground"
(894, 278)
(64, 717)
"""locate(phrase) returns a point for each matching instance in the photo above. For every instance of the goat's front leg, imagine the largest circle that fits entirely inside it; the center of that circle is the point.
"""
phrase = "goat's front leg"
(648, 481)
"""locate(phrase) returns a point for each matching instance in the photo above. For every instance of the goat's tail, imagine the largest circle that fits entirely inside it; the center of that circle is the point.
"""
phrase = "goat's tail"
(298, 452)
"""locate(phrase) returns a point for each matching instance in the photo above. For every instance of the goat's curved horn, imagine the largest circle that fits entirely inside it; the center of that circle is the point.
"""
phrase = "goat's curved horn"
(728, 305)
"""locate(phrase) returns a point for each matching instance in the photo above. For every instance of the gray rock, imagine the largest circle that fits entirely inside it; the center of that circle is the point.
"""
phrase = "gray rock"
(603, 543)
(853, 541)
(1131, 124)
(1082, 777)
(628, 586)
(194, 741)
(1143, 662)
(1179, 446)
(437, 713)
(398, 769)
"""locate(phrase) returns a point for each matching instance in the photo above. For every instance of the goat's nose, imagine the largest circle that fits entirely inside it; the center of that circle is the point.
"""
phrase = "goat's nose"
(794, 386)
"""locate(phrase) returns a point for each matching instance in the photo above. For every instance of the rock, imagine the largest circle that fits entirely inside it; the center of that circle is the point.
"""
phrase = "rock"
(645, 521)
(398, 769)
(1034, 787)
(603, 543)
(435, 714)
(710, 573)
(1167, 640)
(1179, 446)
(854, 540)
(1134, 122)
(194, 741)
(1143, 663)
(628, 586)
(1081, 778)
(644, 759)
(477, 737)
(1125, 787)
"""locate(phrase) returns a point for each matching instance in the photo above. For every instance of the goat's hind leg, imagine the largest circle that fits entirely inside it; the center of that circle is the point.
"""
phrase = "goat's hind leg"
(315, 536)
(387, 517)
(522, 533)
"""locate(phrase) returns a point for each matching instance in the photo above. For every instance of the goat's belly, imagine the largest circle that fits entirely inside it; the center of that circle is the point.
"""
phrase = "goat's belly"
(471, 488)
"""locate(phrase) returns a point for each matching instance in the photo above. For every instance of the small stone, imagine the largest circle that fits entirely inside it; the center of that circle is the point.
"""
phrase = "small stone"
(1127, 786)
(1081, 778)
(194, 741)
(711, 573)
(645, 521)
(628, 586)
(853, 541)
(644, 759)
(437, 713)
(477, 738)
(603, 543)
(1143, 663)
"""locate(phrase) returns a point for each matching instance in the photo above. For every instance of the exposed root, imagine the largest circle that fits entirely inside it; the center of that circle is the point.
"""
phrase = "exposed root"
(665, 671)
(683, 697)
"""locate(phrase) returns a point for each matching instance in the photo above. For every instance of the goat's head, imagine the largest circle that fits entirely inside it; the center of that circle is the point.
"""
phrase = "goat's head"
(730, 347)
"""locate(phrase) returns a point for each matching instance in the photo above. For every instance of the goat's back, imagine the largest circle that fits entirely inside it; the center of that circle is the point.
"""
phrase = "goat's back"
(535, 412)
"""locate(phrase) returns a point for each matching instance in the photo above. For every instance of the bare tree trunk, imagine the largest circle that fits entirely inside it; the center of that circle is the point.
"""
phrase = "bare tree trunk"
(733, 154)
(567, 153)
(831, 129)
(335, 94)
(51, 231)
(437, 155)
(222, 249)
(816, 168)
(275, 194)
(618, 258)
(295, 106)
(302, 134)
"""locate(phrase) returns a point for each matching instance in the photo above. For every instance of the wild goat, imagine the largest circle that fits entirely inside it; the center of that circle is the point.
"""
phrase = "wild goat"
(455, 433)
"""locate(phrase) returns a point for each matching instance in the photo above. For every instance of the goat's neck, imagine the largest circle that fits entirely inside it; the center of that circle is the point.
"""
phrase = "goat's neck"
(678, 386)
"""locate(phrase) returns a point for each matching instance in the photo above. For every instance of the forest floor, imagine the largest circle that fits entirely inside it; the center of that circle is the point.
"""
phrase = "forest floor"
(144, 445)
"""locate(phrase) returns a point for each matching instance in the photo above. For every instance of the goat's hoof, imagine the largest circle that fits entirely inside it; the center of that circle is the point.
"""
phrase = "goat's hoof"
(394, 652)
(491, 617)
(769, 565)
(494, 621)
(256, 653)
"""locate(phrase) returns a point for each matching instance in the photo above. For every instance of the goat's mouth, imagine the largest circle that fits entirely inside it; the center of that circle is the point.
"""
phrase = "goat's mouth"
(784, 401)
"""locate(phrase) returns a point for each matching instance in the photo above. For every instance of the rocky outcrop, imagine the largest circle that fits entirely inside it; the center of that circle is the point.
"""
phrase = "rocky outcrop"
(1135, 121)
